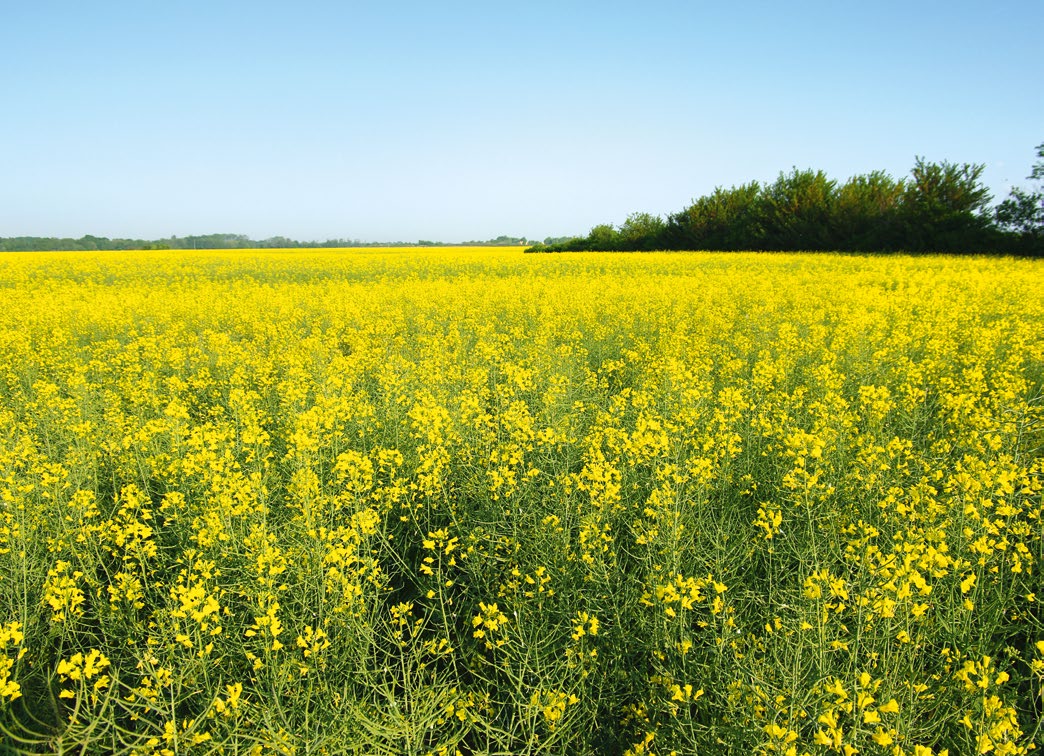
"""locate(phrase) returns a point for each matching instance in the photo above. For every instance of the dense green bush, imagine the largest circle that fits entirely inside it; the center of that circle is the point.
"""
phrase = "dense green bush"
(941, 207)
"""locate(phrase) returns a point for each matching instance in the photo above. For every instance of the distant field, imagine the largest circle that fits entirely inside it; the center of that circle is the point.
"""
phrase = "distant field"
(471, 501)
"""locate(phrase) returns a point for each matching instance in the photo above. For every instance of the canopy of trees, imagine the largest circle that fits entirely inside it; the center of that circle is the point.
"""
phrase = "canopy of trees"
(941, 207)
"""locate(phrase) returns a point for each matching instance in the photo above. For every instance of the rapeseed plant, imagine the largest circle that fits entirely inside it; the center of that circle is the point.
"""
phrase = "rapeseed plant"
(464, 501)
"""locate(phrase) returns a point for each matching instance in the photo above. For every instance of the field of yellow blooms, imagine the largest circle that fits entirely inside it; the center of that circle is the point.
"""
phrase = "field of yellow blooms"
(470, 501)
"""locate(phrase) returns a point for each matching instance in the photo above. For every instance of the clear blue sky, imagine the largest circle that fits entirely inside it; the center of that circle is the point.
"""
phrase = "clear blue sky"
(465, 120)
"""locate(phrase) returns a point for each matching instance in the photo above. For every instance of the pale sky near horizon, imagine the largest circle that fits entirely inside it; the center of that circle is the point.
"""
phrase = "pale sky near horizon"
(455, 121)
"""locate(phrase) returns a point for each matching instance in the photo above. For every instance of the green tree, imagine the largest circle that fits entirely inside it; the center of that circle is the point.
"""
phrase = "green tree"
(1022, 213)
(866, 209)
(798, 210)
(726, 219)
(641, 231)
(1037, 174)
(603, 237)
(945, 208)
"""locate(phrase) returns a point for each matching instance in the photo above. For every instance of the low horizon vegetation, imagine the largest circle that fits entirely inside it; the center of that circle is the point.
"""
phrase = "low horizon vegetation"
(90, 243)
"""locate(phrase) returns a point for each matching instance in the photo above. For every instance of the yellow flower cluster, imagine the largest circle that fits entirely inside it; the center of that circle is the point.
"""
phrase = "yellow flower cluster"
(490, 625)
(553, 704)
(10, 635)
(83, 669)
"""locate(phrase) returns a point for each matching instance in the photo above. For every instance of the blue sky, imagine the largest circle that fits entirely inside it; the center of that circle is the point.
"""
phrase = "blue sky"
(453, 121)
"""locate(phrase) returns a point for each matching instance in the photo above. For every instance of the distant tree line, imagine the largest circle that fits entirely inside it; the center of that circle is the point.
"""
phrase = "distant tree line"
(218, 241)
(941, 207)
(205, 241)
(500, 241)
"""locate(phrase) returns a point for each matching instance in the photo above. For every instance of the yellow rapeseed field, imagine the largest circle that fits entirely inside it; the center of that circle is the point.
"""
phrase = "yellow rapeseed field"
(472, 501)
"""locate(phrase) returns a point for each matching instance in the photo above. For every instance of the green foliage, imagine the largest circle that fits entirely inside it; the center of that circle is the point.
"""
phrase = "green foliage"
(866, 212)
(1037, 174)
(642, 231)
(1022, 213)
(942, 207)
(798, 209)
(723, 220)
(604, 236)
